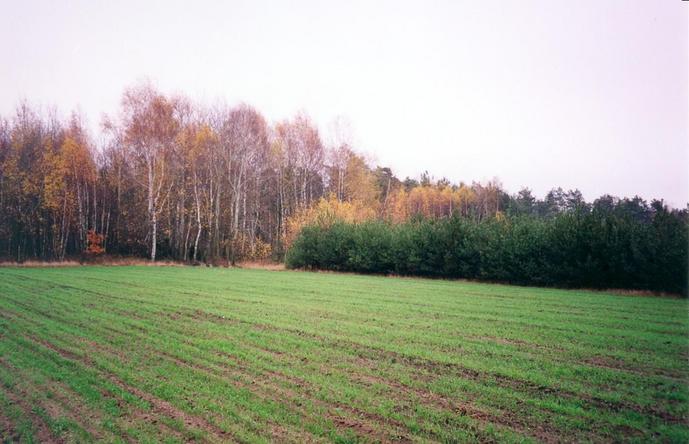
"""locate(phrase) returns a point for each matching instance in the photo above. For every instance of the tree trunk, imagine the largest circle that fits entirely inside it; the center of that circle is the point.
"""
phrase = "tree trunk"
(198, 218)
(154, 234)
(152, 213)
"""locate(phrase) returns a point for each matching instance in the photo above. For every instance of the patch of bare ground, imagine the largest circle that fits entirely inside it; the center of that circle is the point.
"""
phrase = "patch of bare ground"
(519, 343)
(57, 404)
(76, 411)
(361, 428)
(611, 363)
(161, 408)
(87, 417)
(19, 397)
(8, 431)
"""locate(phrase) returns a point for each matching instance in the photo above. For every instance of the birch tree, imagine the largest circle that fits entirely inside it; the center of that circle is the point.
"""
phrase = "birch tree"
(149, 132)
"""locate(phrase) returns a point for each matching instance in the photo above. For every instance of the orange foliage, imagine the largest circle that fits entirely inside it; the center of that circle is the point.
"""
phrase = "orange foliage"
(94, 243)
(430, 201)
(326, 212)
(248, 248)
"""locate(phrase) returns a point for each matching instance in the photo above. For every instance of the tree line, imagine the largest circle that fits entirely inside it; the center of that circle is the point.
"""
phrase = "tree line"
(610, 244)
(170, 178)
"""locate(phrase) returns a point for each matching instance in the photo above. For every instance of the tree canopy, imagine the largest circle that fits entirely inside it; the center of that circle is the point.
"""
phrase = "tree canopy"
(170, 178)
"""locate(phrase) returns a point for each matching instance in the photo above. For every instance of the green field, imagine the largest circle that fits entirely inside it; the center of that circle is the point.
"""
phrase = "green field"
(148, 354)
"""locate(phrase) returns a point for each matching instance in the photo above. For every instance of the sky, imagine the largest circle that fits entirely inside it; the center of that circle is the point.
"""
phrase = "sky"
(578, 94)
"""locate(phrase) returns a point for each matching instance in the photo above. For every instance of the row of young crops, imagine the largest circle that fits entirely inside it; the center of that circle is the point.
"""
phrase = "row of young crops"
(179, 354)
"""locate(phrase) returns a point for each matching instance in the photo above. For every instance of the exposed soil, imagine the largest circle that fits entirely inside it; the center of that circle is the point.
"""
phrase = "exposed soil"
(20, 398)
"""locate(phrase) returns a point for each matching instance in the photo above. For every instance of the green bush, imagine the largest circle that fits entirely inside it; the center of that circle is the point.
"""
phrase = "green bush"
(585, 249)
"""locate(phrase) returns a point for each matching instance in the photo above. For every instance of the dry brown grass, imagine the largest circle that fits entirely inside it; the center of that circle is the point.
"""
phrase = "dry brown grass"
(108, 261)
(123, 261)
(39, 264)
(262, 265)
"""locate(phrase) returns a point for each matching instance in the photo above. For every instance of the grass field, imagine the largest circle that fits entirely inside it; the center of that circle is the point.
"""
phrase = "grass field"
(146, 354)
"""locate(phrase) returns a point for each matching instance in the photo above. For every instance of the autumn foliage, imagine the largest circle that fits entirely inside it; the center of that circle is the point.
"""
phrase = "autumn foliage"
(173, 179)
(94, 243)
(169, 178)
(327, 211)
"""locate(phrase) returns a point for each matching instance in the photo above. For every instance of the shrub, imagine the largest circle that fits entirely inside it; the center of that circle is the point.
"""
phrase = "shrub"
(573, 249)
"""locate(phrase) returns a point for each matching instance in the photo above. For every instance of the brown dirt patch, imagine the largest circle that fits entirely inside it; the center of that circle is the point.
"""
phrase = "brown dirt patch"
(19, 397)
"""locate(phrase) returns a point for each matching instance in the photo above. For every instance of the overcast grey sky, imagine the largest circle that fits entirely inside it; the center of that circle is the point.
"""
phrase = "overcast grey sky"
(579, 94)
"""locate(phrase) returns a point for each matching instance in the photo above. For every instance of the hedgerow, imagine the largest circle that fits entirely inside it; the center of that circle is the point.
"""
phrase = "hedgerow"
(574, 249)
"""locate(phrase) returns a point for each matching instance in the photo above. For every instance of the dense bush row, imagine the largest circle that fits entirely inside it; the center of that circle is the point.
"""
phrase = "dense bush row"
(573, 249)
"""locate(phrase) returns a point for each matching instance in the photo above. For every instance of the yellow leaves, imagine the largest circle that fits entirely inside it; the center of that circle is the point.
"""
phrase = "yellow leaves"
(196, 141)
(326, 212)
(78, 159)
(248, 248)
(351, 179)
(149, 118)
(54, 184)
(398, 206)
(360, 183)
(205, 136)
(430, 201)
(64, 168)
(466, 195)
